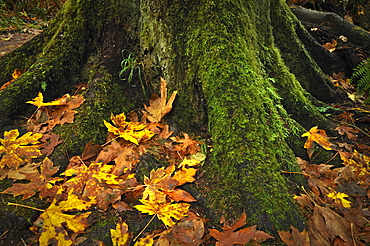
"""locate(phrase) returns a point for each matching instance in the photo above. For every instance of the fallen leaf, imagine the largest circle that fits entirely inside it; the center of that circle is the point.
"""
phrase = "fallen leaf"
(121, 235)
(349, 131)
(147, 241)
(164, 211)
(346, 118)
(38, 101)
(47, 148)
(96, 180)
(331, 46)
(15, 75)
(158, 107)
(330, 224)
(39, 182)
(125, 161)
(230, 236)
(55, 223)
(295, 238)
(340, 198)
(162, 184)
(90, 151)
(130, 131)
(19, 173)
(189, 231)
(186, 145)
(17, 151)
(319, 136)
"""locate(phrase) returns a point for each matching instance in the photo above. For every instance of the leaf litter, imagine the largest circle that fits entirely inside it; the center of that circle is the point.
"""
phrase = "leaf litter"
(104, 176)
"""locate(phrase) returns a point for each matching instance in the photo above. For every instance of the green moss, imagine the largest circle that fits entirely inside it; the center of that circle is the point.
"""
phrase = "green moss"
(248, 123)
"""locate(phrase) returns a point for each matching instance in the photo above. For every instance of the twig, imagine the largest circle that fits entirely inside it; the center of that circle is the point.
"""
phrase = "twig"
(353, 236)
(2, 236)
(331, 158)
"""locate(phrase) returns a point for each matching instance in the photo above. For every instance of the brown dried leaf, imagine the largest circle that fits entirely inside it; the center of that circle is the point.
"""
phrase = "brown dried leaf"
(295, 237)
(189, 231)
(349, 131)
(330, 224)
(47, 148)
(186, 145)
(230, 237)
(42, 182)
(158, 107)
(90, 151)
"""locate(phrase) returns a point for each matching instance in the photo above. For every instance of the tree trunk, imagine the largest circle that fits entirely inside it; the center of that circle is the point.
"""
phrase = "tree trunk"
(243, 78)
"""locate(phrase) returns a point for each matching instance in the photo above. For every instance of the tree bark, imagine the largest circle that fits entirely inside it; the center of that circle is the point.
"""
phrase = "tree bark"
(238, 66)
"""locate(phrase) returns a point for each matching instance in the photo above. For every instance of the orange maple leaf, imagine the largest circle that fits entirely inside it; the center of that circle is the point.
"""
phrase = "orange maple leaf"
(47, 148)
(40, 181)
(189, 231)
(331, 46)
(162, 184)
(346, 117)
(186, 145)
(158, 106)
(319, 136)
(15, 75)
(230, 236)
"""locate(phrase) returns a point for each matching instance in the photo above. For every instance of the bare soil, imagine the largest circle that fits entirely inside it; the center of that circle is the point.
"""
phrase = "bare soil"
(11, 41)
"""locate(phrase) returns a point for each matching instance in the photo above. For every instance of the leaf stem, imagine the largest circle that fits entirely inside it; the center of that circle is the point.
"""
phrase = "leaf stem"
(144, 228)
(25, 206)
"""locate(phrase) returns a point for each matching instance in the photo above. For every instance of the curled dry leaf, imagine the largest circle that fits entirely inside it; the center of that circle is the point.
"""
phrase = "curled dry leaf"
(158, 105)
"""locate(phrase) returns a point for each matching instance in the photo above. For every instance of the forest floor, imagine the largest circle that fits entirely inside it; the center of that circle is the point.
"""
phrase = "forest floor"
(14, 39)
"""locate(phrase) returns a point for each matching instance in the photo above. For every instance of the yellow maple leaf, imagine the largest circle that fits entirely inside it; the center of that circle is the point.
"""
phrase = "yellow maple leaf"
(130, 131)
(86, 178)
(147, 241)
(16, 152)
(75, 204)
(319, 136)
(189, 162)
(164, 211)
(55, 224)
(38, 101)
(185, 175)
(121, 235)
(339, 197)
(97, 181)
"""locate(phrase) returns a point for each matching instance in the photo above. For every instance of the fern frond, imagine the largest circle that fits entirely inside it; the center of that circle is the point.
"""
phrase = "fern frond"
(361, 76)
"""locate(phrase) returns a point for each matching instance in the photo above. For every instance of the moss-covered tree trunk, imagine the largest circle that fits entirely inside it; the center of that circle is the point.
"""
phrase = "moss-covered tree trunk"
(238, 65)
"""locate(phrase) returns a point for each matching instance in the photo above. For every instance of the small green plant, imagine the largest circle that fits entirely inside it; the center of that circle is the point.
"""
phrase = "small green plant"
(361, 76)
(129, 66)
